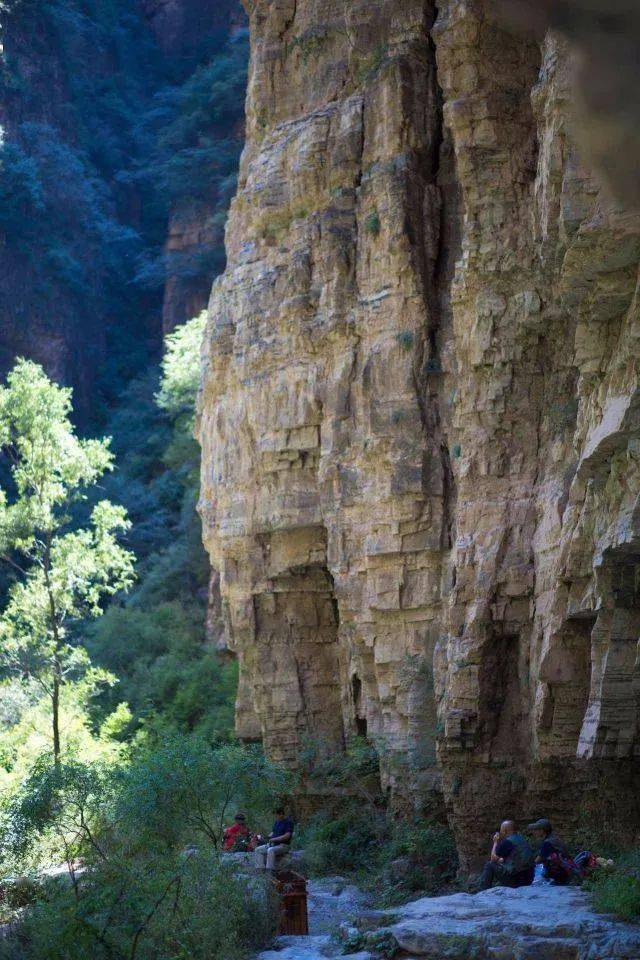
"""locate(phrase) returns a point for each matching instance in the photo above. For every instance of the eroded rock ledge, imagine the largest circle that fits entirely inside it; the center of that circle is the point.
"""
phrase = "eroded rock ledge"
(420, 416)
(532, 923)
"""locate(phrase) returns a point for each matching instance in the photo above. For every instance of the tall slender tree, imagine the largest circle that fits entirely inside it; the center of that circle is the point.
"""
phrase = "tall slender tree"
(62, 572)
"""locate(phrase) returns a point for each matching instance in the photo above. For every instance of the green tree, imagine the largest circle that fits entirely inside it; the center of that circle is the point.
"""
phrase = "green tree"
(62, 574)
(181, 369)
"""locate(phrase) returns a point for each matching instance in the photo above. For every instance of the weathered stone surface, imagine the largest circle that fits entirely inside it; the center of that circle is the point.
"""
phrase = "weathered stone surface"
(542, 922)
(533, 923)
(605, 46)
(420, 418)
(323, 489)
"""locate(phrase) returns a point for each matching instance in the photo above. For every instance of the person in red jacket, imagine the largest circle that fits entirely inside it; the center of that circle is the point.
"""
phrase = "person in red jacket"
(236, 837)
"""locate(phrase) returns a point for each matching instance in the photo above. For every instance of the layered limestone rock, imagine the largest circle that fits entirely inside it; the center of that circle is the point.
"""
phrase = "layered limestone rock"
(419, 416)
(324, 472)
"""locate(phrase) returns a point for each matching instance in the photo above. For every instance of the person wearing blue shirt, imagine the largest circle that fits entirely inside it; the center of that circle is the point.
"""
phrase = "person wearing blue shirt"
(279, 843)
(512, 860)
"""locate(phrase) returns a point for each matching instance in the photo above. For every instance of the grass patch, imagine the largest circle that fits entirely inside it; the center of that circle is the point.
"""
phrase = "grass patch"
(274, 224)
(617, 889)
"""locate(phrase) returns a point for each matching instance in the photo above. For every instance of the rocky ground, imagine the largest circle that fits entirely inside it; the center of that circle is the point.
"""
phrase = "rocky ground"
(533, 923)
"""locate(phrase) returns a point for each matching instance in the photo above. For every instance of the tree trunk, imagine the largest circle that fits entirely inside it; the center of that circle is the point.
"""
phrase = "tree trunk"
(55, 703)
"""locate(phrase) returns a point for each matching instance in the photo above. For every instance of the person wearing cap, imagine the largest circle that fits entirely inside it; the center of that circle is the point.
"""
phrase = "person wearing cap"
(512, 860)
(549, 842)
(236, 835)
(279, 844)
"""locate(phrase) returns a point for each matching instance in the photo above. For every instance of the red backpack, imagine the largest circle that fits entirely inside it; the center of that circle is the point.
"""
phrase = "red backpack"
(562, 870)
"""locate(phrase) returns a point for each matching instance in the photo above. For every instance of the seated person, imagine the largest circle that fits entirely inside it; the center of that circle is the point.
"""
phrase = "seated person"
(279, 843)
(512, 862)
(552, 852)
(236, 837)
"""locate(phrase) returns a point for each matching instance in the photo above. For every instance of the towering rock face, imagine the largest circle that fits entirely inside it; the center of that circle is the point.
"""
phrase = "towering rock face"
(420, 416)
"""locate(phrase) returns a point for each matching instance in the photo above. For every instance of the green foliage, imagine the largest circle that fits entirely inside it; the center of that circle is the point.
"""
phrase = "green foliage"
(381, 942)
(617, 889)
(131, 133)
(372, 223)
(20, 191)
(354, 772)
(175, 907)
(184, 791)
(145, 890)
(405, 339)
(153, 640)
(359, 838)
(181, 368)
(367, 843)
(348, 842)
(63, 575)
(193, 130)
(63, 800)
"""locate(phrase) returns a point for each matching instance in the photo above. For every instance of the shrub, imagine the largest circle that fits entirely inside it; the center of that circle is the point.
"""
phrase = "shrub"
(617, 890)
(372, 223)
(152, 883)
(366, 843)
(20, 190)
(347, 843)
(405, 339)
(177, 907)
(184, 791)
(430, 851)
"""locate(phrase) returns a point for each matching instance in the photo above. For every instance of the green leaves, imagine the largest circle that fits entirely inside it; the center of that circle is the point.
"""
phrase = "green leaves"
(64, 575)
(186, 791)
(49, 464)
(181, 368)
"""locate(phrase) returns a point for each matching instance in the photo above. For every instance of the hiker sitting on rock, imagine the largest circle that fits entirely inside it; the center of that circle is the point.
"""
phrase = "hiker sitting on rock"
(237, 839)
(279, 843)
(512, 862)
(553, 854)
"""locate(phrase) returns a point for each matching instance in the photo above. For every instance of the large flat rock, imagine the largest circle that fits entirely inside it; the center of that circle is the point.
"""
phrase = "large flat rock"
(532, 923)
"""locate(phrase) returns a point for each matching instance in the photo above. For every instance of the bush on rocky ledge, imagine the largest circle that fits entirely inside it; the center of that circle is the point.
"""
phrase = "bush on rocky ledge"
(617, 890)
(395, 859)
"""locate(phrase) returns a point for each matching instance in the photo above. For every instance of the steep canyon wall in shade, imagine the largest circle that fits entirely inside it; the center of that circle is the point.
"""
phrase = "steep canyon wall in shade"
(420, 416)
(84, 212)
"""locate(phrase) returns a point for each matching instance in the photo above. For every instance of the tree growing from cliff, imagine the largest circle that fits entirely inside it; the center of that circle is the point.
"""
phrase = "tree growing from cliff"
(181, 369)
(61, 572)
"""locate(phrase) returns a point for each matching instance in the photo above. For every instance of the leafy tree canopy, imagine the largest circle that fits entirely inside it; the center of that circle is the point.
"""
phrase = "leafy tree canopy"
(62, 575)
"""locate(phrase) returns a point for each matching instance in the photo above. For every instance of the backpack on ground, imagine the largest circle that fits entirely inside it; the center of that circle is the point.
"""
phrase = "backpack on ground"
(562, 870)
(586, 862)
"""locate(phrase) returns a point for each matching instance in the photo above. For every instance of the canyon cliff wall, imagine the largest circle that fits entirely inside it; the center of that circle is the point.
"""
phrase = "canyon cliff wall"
(420, 416)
